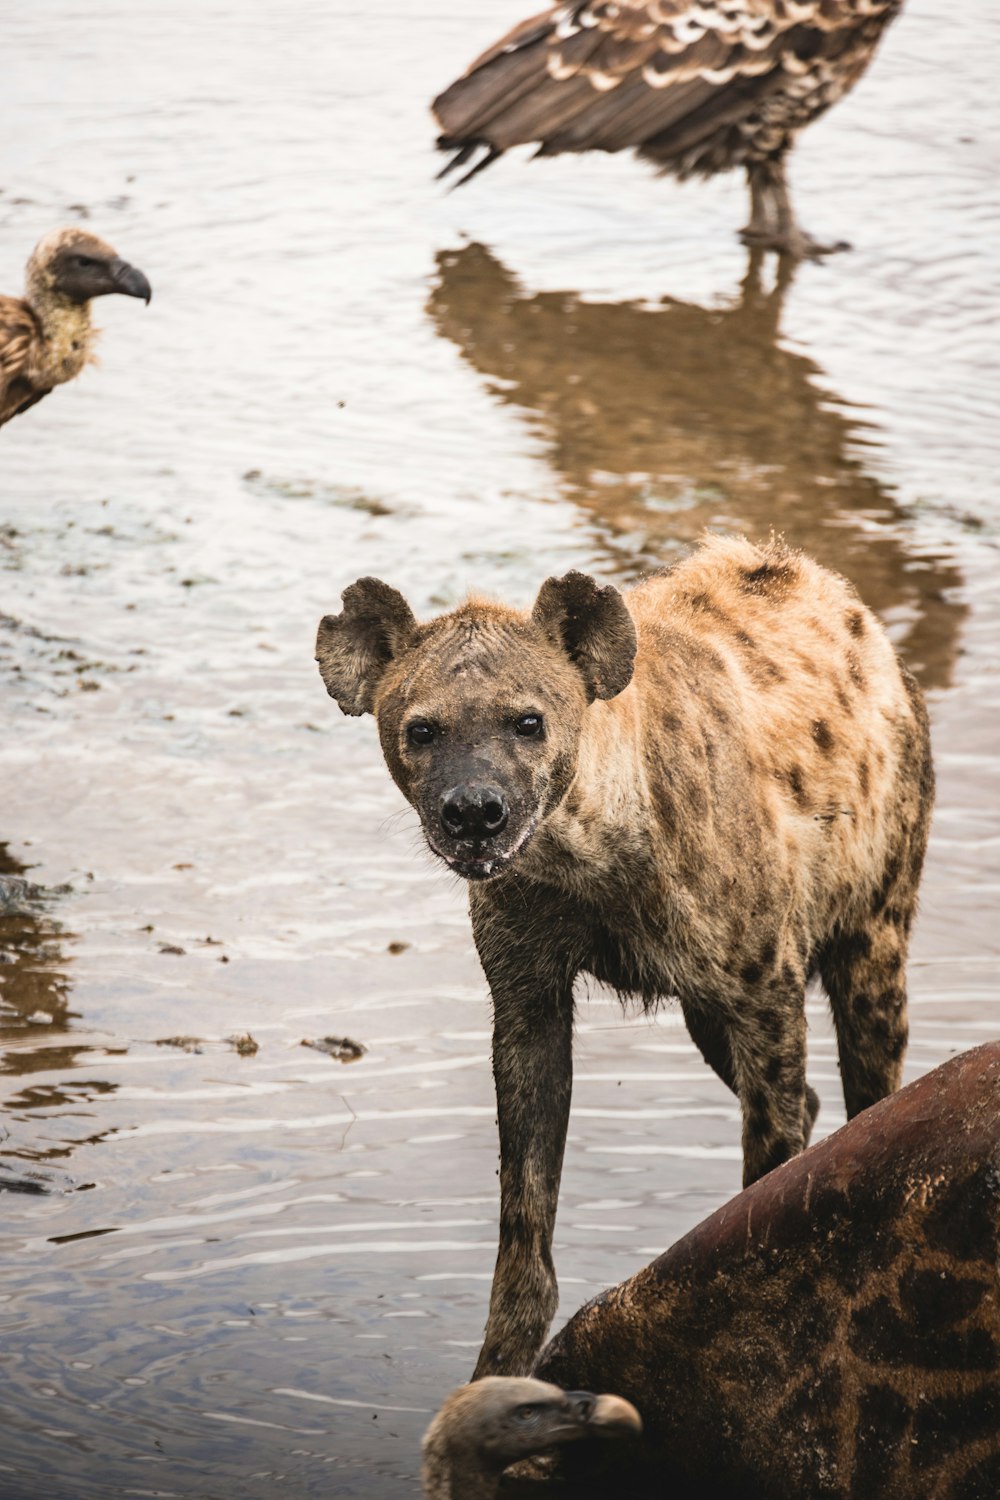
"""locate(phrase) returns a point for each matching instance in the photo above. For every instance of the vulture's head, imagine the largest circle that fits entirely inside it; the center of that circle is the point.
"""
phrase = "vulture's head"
(483, 1428)
(77, 266)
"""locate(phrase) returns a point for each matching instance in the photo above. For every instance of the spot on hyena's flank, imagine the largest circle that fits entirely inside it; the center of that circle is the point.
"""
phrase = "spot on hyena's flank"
(854, 669)
(854, 945)
(856, 623)
(768, 579)
(774, 1069)
(822, 735)
(706, 605)
(881, 897)
(864, 777)
(797, 784)
(665, 806)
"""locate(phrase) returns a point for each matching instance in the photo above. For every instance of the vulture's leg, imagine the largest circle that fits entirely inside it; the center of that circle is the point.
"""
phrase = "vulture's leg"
(773, 224)
(759, 308)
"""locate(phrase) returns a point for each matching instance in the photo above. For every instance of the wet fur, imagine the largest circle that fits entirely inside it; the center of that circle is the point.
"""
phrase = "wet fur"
(751, 810)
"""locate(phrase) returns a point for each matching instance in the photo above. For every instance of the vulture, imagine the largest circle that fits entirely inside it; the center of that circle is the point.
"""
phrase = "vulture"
(694, 86)
(483, 1428)
(46, 336)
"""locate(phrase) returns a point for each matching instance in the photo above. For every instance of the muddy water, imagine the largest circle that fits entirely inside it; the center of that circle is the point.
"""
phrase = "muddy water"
(228, 1274)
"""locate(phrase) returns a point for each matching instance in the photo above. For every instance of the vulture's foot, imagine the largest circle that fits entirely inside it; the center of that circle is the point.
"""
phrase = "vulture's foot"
(794, 243)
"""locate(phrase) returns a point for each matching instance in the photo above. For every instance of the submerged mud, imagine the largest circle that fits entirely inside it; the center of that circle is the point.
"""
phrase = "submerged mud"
(232, 1273)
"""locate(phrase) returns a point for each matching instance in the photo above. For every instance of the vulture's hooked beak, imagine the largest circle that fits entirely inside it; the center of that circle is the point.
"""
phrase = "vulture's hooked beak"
(604, 1416)
(129, 281)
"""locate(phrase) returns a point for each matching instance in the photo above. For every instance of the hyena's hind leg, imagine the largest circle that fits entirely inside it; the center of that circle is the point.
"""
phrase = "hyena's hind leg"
(711, 1035)
(863, 965)
(862, 969)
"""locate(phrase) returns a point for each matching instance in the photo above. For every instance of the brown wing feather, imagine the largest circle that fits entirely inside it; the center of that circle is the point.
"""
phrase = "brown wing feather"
(672, 78)
(19, 337)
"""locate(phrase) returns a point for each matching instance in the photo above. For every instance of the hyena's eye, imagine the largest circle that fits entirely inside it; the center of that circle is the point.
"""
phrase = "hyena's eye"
(421, 733)
(528, 725)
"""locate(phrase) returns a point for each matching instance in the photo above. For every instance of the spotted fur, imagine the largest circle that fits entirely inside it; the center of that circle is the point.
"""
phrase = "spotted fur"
(751, 809)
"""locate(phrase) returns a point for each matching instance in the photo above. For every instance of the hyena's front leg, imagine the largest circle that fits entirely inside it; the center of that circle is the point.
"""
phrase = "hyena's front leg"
(533, 1070)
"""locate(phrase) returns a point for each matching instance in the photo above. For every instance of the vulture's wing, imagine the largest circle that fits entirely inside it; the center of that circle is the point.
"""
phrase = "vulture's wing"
(19, 335)
(665, 76)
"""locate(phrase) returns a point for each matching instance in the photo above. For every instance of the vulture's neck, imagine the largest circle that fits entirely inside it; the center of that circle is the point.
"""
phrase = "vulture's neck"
(67, 330)
(455, 1477)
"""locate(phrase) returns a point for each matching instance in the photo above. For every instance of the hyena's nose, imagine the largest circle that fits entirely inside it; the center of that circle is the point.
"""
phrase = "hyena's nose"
(474, 812)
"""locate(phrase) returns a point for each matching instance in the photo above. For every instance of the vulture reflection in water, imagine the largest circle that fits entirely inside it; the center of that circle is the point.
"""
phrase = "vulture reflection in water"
(665, 418)
(694, 86)
(37, 1037)
(46, 336)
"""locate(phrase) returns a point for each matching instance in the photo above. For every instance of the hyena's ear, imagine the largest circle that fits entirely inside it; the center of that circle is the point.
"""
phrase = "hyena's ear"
(593, 627)
(355, 647)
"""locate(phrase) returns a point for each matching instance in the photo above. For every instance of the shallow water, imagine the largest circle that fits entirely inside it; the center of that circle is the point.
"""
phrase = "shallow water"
(255, 1275)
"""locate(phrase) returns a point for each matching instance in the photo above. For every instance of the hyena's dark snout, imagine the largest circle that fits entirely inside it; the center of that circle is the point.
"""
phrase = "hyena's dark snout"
(474, 810)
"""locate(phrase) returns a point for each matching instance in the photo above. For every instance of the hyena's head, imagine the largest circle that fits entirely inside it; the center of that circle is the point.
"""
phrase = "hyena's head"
(479, 711)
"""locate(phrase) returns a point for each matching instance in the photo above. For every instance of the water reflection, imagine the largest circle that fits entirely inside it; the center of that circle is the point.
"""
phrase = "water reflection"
(663, 420)
(34, 1019)
(34, 983)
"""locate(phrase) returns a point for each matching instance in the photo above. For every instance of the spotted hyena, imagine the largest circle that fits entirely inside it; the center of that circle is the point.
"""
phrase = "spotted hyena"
(712, 788)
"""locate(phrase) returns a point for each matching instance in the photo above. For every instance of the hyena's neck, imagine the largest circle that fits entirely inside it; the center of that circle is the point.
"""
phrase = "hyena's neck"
(605, 810)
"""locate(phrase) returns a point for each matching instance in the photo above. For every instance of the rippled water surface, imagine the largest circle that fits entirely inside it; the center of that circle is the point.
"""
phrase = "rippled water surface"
(225, 1274)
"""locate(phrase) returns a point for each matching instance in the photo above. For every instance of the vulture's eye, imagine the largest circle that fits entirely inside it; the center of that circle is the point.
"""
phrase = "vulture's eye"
(526, 1414)
(528, 725)
(421, 733)
(85, 262)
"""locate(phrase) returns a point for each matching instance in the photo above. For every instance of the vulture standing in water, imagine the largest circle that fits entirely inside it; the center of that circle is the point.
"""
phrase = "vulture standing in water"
(46, 336)
(695, 86)
(483, 1428)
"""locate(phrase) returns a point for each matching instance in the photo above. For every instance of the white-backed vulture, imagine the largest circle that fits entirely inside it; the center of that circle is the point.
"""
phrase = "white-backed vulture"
(695, 86)
(483, 1428)
(46, 336)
